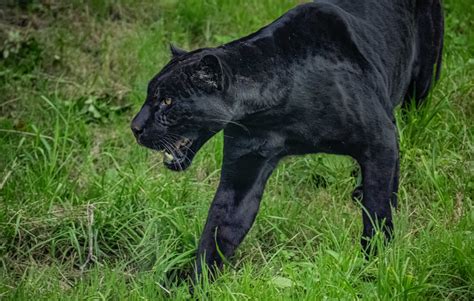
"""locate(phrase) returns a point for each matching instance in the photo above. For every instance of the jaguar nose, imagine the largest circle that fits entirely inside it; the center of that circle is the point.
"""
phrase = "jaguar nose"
(137, 131)
(138, 123)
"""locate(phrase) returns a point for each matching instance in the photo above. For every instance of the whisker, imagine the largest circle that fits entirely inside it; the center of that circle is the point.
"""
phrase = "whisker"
(171, 149)
(182, 137)
(223, 134)
(172, 144)
(167, 144)
(231, 122)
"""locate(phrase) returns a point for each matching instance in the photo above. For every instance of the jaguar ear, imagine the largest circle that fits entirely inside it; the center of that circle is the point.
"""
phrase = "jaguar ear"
(175, 51)
(209, 73)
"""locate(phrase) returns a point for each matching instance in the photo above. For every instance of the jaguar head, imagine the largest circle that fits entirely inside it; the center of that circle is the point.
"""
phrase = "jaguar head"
(185, 106)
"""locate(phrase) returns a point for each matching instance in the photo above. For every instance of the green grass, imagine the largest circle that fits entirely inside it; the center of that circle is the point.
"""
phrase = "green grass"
(85, 213)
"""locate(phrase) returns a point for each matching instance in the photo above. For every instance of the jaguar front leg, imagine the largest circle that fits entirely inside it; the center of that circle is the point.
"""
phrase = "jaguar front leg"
(234, 207)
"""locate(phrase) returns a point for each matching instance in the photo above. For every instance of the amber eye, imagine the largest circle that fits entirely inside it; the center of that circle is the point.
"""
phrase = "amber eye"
(167, 101)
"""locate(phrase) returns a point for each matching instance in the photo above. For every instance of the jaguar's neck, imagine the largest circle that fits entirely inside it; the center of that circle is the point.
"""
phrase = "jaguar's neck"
(258, 80)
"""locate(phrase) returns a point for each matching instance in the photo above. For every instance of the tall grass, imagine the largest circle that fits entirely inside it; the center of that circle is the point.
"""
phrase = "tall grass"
(85, 213)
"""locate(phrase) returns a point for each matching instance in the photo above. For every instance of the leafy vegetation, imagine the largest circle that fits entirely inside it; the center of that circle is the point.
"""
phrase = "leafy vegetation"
(85, 213)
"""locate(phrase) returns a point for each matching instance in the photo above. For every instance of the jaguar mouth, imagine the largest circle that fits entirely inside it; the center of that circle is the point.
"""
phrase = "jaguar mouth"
(177, 157)
(177, 154)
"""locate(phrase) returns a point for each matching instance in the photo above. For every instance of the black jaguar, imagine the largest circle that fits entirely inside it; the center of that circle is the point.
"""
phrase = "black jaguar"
(324, 77)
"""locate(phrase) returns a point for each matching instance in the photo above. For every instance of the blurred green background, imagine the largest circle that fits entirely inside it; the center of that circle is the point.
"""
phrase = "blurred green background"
(85, 213)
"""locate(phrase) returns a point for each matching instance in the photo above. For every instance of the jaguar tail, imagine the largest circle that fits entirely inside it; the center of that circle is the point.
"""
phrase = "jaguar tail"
(430, 32)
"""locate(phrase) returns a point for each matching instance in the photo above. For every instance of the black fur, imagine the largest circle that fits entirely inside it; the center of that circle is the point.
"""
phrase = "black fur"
(324, 77)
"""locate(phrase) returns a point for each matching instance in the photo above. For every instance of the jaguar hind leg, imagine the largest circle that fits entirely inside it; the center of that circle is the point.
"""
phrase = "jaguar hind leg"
(358, 193)
(379, 166)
